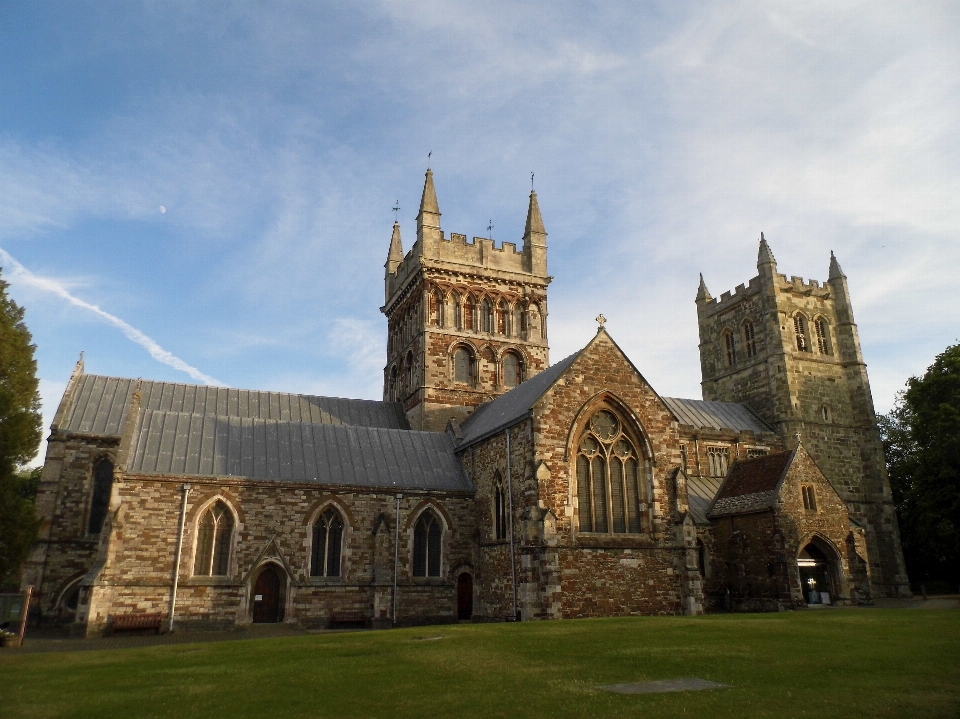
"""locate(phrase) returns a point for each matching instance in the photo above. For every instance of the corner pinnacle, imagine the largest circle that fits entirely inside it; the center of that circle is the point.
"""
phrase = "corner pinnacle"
(835, 272)
(765, 256)
(703, 294)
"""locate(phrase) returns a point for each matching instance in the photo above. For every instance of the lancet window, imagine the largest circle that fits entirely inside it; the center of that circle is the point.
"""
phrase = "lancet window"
(750, 339)
(486, 316)
(327, 544)
(718, 460)
(823, 336)
(512, 370)
(463, 365)
(499, 508)
(608, 477)
(730, 343)
(214, 535)
(427, 540)
(469, 312)
(100, 501)
(503, 318)
(801, 332)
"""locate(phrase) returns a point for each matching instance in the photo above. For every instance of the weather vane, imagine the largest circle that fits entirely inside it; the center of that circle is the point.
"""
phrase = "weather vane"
(531, 182)
(396, 210)
(429, 155)
(601, 320)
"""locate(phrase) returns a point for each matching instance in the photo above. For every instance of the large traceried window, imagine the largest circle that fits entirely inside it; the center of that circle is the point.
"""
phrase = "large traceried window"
(100, 502)
(327, 544)
(427, 538)
(608, 477)
(214, 535)
(802, 333)
(750, 339)
(499, 508)
(823, 336)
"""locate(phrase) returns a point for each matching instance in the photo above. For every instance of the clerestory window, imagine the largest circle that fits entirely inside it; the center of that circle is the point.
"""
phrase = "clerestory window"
(718, 460)
(608, 477)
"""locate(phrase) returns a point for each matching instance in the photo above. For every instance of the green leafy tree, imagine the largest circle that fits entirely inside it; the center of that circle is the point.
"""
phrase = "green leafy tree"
(20, 424)
(921, 437)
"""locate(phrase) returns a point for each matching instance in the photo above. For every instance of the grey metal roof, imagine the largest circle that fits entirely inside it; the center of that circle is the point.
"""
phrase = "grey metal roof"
(100, 405)
(715, 415)
(506, 409)
(181, 443)
(700, 494)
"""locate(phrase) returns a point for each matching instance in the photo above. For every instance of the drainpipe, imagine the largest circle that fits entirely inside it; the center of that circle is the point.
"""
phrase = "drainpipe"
(176, 560)
(513, 559)
(396, 559)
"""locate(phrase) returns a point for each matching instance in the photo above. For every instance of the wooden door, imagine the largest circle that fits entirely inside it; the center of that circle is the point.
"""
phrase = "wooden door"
(464, 596)
(266, 597)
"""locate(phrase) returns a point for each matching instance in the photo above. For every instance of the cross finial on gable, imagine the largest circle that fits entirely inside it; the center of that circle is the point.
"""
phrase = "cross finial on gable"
(797, 435)
(601, 321)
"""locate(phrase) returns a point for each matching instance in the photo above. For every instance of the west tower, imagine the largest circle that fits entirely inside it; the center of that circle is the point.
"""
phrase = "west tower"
(466, 321)
(790, 351)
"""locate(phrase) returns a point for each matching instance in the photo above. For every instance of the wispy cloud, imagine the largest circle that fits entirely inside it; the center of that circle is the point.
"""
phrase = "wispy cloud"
(20, 273)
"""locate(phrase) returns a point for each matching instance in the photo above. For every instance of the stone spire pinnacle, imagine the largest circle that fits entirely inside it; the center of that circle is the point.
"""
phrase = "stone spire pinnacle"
(835, 271)
(395, 255)
(428, 202)
(534, 218)
(765, 256)
(703, 294)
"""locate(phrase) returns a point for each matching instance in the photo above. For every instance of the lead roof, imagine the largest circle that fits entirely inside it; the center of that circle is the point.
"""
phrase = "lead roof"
(703, 414)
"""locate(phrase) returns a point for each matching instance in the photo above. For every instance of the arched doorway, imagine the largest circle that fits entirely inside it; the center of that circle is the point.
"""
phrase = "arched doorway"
(267, 607)
(464, 596)
(816, 574)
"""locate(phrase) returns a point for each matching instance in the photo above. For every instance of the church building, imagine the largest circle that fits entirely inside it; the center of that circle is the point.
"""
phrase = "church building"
(488, 484)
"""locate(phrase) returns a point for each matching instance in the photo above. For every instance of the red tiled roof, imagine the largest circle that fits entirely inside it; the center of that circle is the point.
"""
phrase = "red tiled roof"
(750, 476)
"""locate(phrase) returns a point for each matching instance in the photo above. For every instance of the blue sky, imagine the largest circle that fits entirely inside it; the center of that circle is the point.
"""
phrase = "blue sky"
(278, 136)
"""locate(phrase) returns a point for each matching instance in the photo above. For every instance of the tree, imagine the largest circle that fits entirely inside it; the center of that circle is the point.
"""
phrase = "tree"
(20, 424)
(921, 437)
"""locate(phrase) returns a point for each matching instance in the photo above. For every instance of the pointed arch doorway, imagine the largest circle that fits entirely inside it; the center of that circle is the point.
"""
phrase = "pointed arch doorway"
(816, 565)
(464, 596)
(267, 596)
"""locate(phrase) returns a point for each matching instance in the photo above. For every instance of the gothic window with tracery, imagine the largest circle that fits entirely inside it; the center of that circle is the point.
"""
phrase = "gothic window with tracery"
(499, 508)
(327, 544)
(512, 370)
(823, 336)
(463, 365)
(608, 477)
(100, 501)
(718, 460)
(427, 540)
(729, 342)
(750, 339)
(801, 333)
(214, 534)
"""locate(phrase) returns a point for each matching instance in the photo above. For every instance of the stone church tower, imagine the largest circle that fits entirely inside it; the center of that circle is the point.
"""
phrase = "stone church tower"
(466, 321)
(790, 351)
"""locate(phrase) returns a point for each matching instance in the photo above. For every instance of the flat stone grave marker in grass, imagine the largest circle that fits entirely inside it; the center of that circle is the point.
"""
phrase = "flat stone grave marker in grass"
(667, 685)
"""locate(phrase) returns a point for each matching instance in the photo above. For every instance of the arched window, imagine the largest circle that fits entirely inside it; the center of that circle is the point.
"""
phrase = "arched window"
(512, 370)
(469, 312)
(536, 322)
(426, 546)
(608, 477)
(825, 413)
(463, 365)
(730, 344)
(822, 329)
(408, 374)
(486, 316)
(499, 508)
(522, 320)
(503, 318)
(457, 311)
(749, 339)
(392, 395)
(801, 332)
(436, 308)
(516, 325)
(327, 544)
(102, 488)
(213, 541)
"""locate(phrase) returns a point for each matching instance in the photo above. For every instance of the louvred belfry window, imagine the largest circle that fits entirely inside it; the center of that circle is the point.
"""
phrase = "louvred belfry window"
(731, 345)
(800, 330)
(823, 336)
(750, 338)
(608, 478)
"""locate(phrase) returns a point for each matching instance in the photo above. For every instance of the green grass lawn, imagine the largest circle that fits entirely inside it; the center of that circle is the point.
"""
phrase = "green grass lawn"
(841, 663)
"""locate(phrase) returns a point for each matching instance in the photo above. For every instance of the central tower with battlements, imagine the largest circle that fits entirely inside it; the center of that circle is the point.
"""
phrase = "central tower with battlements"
(466, 321)
(790, 351)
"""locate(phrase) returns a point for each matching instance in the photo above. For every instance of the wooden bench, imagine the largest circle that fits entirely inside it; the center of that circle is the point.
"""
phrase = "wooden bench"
(349, 617)
(136, 622)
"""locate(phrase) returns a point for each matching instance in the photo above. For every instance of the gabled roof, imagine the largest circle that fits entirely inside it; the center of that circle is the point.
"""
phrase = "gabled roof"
(715, 415)
(513, 406)
(99, 405)
(181, 443)
(752, 484)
